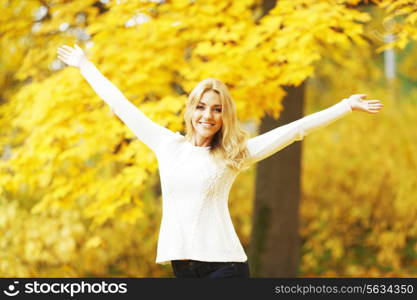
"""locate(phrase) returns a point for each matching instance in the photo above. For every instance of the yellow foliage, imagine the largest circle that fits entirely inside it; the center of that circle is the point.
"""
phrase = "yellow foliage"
(401, 20)
(356, 216)
(72, 163)
(359, 221)
(67, 133)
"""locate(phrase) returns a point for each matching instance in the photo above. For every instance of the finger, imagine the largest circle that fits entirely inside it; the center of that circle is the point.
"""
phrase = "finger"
(377, 102)
(67, 47)
(60, 56)
(62, 59)
(77, 47)
(375, 106)
(65, 55)
(63, 51)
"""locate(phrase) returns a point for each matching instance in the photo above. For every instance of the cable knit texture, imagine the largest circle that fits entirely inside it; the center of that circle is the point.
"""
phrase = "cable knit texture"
(196, 222)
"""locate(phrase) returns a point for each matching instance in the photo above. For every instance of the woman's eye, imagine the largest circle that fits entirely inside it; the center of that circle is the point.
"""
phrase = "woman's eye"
(216, 109)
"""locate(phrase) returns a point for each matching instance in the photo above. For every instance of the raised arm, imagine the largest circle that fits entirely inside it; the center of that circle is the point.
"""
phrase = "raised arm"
(144, 128)
(266, 144)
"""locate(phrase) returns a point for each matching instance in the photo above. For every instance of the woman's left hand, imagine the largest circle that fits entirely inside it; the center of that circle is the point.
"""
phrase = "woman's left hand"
(369, 106)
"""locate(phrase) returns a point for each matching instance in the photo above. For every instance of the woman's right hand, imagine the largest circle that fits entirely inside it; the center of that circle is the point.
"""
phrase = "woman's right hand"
(74, 57)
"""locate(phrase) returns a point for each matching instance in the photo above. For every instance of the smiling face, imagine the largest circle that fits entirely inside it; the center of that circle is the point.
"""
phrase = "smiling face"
(207, 116)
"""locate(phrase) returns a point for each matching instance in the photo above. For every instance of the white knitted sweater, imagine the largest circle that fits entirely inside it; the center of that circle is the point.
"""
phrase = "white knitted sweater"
(196, 223)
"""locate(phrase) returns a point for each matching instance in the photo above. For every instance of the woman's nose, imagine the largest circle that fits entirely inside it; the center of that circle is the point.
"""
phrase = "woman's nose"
(207, 114)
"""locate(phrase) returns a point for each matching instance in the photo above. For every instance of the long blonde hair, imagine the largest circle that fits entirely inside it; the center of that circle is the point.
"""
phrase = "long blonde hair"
(229, 143)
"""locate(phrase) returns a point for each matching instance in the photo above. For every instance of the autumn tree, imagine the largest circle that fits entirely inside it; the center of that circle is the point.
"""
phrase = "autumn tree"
(167, 54)
(61, 145)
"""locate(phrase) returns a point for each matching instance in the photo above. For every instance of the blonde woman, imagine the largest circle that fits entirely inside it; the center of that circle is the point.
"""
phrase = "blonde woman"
(197, 170)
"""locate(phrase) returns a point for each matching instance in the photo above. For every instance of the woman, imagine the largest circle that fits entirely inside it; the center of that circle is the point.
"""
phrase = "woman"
(197, 170)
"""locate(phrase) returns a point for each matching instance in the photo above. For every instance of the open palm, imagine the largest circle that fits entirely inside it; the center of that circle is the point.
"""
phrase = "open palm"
(369, 106)
(74, 57)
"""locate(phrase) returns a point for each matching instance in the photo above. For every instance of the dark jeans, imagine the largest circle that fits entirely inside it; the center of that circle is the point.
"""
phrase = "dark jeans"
(204, 269)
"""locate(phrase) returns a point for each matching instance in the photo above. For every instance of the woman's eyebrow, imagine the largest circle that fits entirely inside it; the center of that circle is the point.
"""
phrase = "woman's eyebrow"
(213, 105)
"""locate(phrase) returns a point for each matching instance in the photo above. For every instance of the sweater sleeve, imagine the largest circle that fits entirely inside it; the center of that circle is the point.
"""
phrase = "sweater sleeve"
(268, 143)
(149, 132)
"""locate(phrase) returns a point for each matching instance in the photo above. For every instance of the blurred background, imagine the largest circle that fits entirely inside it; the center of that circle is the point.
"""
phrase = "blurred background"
(80, 194)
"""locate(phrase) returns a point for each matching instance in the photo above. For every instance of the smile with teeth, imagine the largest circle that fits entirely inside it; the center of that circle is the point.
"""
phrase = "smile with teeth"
(206, 125)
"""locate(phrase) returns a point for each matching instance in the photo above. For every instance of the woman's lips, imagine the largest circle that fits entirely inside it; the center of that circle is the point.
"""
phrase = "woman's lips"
(205, 125)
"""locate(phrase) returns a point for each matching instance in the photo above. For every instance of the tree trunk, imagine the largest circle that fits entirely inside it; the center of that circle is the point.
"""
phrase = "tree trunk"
(274, 245)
